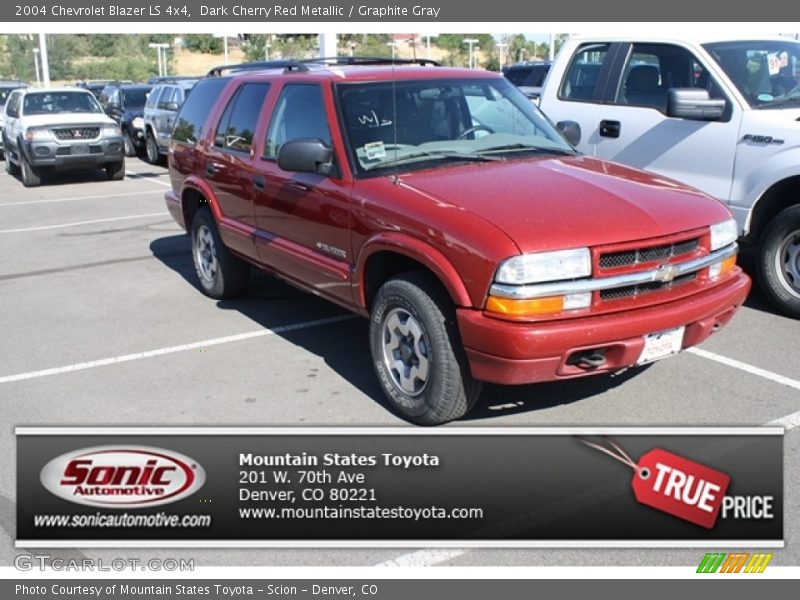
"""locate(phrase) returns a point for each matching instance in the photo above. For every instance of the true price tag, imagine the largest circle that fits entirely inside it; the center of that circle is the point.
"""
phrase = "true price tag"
(680, 487)
(674, 484)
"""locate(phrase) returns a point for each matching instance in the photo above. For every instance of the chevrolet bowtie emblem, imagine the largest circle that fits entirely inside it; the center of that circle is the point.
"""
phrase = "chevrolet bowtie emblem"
(666, 273)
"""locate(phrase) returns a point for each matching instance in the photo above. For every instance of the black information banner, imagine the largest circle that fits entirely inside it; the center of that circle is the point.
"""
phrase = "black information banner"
(372, 11)
(395, 487)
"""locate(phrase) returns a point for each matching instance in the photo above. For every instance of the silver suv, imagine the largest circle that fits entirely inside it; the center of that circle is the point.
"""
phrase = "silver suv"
(160, 111)
(59, 129)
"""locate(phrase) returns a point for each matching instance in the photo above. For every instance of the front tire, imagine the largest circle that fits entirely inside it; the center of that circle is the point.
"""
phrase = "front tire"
(130, 147)
(417, 352)
(30, 178)
(151, 149)
(779, 261)
(220, 274)
(115, 171)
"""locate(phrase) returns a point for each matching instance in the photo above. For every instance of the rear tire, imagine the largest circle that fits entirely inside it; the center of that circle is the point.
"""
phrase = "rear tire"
(779, 261)
(115, 171)
(417, 352)
(220, 273)
(30, 177)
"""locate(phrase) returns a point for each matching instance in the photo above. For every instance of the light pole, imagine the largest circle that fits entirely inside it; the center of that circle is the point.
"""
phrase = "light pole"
(393, 45)
(501, 46)
(267, 46)
(471, 42)
(162, 60)
(45, 62)
(36, 66)
(224, 37)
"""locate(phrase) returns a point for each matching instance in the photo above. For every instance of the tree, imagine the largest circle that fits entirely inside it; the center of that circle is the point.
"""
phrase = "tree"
(203, 42)
(255, 46)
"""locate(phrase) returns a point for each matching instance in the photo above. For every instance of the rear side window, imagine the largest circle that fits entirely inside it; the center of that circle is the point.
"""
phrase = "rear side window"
(195, 111)
(582, 78)
(238, 123)
(300, 113)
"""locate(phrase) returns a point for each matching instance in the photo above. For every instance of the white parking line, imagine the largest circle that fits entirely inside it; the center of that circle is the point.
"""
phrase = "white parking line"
(75, 224)
(172, 349)
(737, 364)
(423, 558)
(139, 176)
(76, 198)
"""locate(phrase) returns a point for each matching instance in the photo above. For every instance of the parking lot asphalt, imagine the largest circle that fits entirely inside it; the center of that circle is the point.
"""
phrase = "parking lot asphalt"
(102, 324)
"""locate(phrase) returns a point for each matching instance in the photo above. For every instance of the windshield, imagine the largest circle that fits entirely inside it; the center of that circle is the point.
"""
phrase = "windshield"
(41, 103)
(133, 99)
(407, 124)
(767, 73)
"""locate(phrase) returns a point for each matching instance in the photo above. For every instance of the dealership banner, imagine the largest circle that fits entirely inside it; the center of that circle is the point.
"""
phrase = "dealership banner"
(392, 487)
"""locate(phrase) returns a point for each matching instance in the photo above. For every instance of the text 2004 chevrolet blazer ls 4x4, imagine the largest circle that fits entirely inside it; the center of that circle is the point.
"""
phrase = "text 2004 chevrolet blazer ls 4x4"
(442, 205)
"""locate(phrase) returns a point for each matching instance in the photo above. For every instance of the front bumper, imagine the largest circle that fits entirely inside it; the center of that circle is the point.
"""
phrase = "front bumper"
(516, 353)
(77, 154)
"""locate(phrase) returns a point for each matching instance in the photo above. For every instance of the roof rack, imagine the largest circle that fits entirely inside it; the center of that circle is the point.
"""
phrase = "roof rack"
(372, 60)
(287, 64)
(302, 65)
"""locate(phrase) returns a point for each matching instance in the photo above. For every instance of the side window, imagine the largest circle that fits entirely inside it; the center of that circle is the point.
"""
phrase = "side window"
(238, 123)
(166, 97)
(12, 109)
(581, 79)
(653, 69)
(194, 113)
(299, 113)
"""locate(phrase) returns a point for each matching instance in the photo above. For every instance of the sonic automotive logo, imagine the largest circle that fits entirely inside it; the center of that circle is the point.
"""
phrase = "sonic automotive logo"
(122, 476)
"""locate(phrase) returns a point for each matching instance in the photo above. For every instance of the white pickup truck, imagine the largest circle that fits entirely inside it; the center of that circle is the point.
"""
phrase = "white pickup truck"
(720, 114)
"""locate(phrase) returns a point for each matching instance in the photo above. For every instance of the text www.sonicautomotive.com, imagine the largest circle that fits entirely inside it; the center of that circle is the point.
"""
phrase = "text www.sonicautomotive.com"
(162, 520)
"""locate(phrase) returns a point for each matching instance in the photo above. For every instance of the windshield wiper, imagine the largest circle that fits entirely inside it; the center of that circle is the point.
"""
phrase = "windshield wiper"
(520, 147)
(779, 102)
(437, 154)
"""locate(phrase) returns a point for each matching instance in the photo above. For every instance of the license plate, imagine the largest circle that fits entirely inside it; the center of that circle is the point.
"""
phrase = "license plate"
(661, 345)
(80, 149)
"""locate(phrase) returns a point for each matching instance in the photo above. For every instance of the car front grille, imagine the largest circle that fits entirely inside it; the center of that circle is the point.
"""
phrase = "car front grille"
(634, 291)
(637, 256)
(67, 134)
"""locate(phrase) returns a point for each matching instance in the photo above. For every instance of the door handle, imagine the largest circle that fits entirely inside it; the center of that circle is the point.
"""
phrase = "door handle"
(258, 182)
(610, 129)
(298, 186)
(212, 168)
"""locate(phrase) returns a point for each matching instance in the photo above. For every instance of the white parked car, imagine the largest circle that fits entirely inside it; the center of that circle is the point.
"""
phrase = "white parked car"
(59, 129)
(720, 114)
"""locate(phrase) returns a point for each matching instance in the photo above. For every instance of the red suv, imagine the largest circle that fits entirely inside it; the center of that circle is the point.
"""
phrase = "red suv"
(442, 205)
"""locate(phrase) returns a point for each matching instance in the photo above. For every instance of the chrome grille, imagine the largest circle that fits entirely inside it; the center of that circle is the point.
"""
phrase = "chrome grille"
(635, 256)
(632, 291)
(76, 133)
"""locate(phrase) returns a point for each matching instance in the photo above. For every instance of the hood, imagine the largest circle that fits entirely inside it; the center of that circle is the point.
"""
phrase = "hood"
(131, 113)
(547, 203)
(66, 119)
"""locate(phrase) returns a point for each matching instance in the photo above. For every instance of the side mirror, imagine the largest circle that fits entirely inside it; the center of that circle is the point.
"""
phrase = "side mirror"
(173, 106)
(306, 155)
(694, 104)
(570, 130)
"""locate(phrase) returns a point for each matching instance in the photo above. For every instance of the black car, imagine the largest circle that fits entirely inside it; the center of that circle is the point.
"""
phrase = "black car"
(528, 77)
(124, 102)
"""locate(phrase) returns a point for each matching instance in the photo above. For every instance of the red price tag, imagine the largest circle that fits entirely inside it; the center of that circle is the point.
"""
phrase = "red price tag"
(680, 487)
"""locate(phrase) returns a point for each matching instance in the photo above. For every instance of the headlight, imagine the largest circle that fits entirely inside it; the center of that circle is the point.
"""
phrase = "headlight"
(111, 131)
(138, 123)
(37, 134)
(723, 234)
(545, 266)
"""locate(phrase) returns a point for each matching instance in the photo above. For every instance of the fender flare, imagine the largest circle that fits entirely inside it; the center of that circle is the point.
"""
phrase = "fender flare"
(421, 252)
